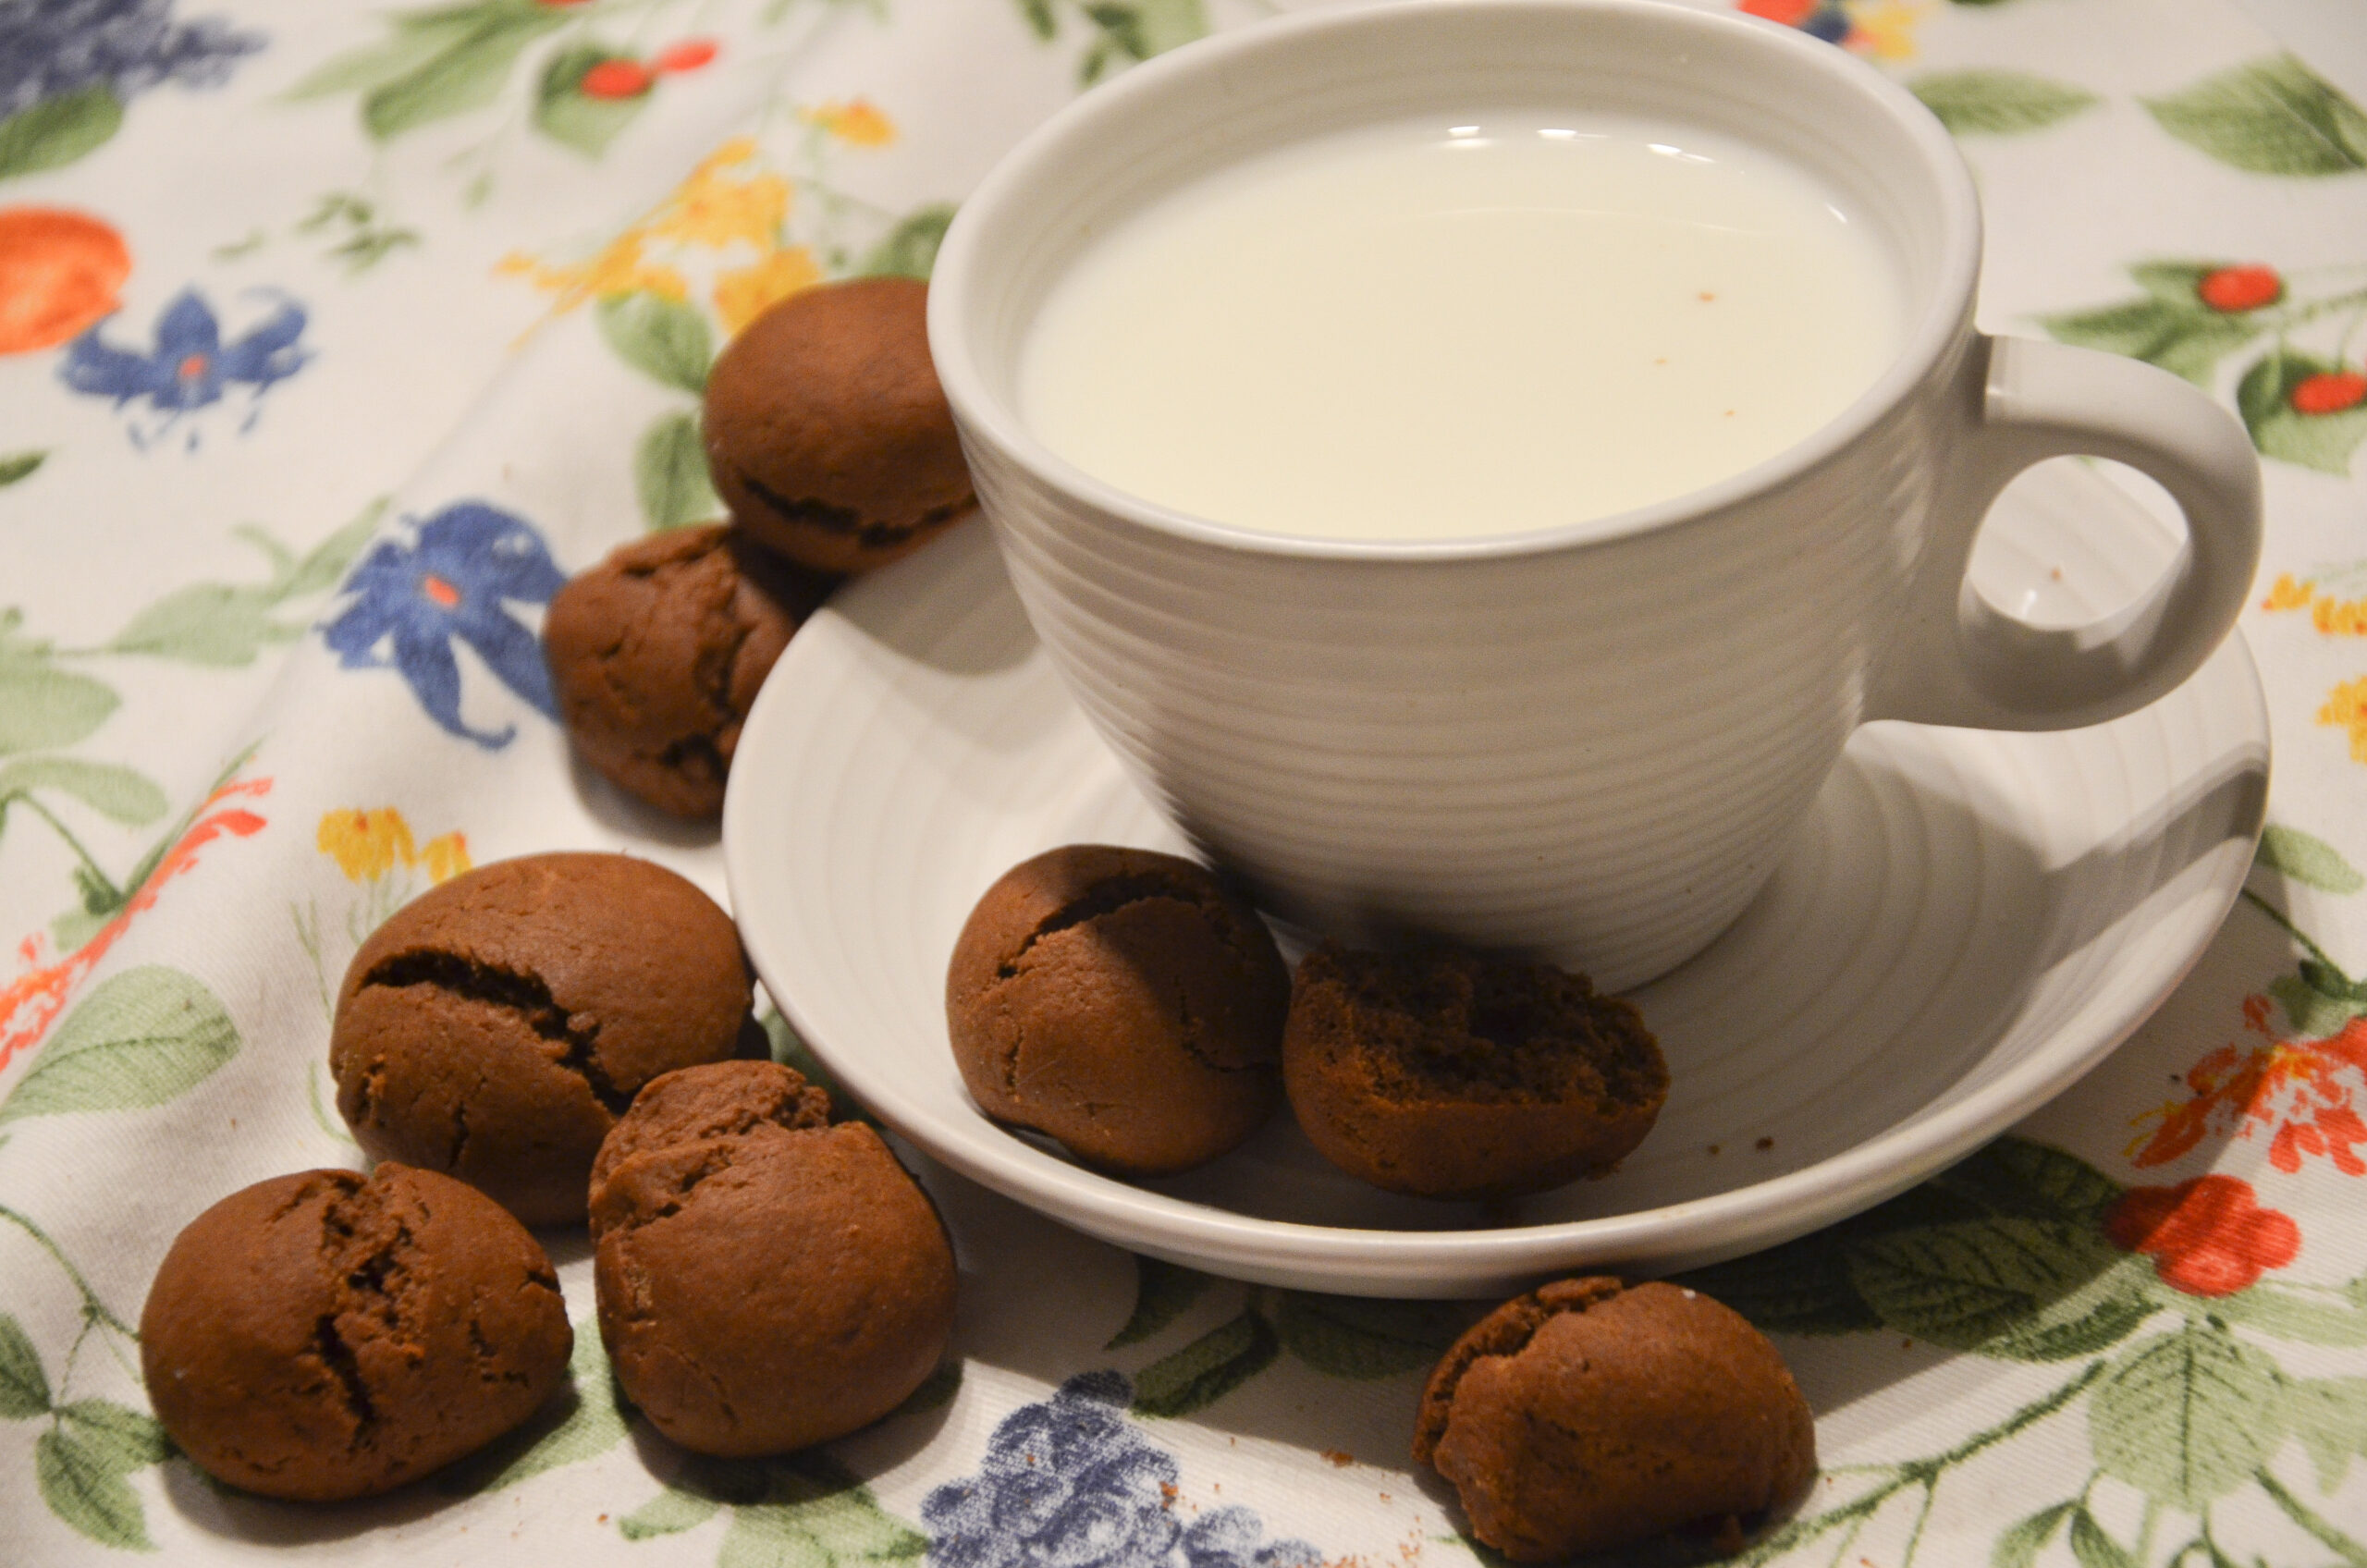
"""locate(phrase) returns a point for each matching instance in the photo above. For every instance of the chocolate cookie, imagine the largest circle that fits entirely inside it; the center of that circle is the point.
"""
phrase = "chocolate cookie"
(323, 1335)
(766, 1280)
(1123, 1001)
(1587, 1415)
(827, 432)
(1449, 1075)
(497, 1026)
(657, 652)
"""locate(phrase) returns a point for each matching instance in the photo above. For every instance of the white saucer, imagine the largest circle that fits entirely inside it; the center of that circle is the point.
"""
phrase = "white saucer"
(1968, 922)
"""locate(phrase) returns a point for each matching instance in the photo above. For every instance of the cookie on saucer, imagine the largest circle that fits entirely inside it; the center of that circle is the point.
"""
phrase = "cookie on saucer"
(1449, 1074)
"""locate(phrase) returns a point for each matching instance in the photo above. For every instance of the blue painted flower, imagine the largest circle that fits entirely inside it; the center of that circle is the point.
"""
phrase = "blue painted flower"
(51, 49)
(1071, 1483)
(190, 366)
(408, 602)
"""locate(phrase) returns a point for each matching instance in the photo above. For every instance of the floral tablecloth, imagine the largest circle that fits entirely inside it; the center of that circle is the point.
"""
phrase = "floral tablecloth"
(332, 338)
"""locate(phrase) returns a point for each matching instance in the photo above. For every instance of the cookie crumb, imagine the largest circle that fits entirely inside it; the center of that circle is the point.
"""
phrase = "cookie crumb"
(1338, 1458)
(1764, 1145)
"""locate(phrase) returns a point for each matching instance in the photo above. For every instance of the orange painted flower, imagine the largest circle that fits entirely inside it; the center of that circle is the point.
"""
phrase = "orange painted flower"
(59, 272)
(31, 1003)
(2302, 1096)
(2207, 1237)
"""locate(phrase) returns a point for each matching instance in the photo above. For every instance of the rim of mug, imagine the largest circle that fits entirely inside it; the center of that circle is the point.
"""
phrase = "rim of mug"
(1933, 328)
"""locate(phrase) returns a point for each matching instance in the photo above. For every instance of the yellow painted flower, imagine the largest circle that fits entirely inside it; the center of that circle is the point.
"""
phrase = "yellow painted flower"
(1884, 31)
(616, 271)
(2287, 594)
(744, 295)
(856, 122)
(446, 856)
(2346, 707)
(365, 844)
(713, 211)
(2340, 617)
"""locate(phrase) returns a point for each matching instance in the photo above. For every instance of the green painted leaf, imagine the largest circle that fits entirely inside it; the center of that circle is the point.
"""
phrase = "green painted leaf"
(109, 787)
(139, 1039)
(466, 73)
(57, 131)
(1362, 1338)
(43, 707)
(2271, 116)
(2093, 1548)
(2018, 1177)
(2017, 1289)
(669, 473)
(2178, 282)
(2329, 1415)
(1990, 102)
(19, 465)
(759, 1537)
(2308, 859)
(664, 339)
(1800, 1287)
(2187, 339)
(24, 1387)
(814, 1496)
(2328, 980)
(1209, 1368)
(571, 119)
(324, 566)
(78, 1481)
(418, 38)
(909, 250)
(2324, 441)
(583, 1423)
(1040, 20)
(669, 1512)
(1162, 1291)
(2019, 1546)
(121, 1439)
(2313, 1014)
(2284, 1312)
(2187, 1417)
(1136, 30)
(216, 624)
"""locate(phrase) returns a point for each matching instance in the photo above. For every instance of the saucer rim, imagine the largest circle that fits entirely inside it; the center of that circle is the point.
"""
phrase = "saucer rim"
(1466, 1262)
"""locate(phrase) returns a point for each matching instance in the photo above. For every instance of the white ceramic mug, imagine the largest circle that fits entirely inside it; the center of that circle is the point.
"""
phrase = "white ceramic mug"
(1589, 743)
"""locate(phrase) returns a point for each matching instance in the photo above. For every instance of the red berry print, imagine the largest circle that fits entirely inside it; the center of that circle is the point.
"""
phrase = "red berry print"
(2207, 1237)
(2235, 290)
(615, 78)
(2329, 392)
(687, 56)
(1791, 13)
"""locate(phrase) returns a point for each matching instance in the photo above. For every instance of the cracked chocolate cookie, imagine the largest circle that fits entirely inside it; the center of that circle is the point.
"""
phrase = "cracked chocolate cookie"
(496, 1026)
(1122, 1001)
(826, 433)
(657, 652)
(768, 1281)
(326, 1335)
(1590, 1415)
(1446, 1074)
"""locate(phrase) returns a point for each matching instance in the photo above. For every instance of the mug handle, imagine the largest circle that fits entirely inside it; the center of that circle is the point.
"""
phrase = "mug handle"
(1959, 660)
